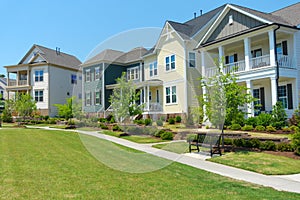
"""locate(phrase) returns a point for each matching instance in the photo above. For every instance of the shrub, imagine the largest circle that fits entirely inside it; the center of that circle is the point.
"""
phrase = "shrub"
(260, 128)
(270, 129)
(228, 141)
(296, 142)
(279, 115)
(268, 145)
(294, 128)
(149, 131)
(239, 142)
(133, 130)
(252, 121)
(283, 146)
(235, 127)
(116, 128)
(112, 120)
(207, 127)
(278, 125)
(71, 122)
(286, 129)
(94, 119)
(247, 128)
(103, 120)
(52, 121)
(167, 136)
(158, 133)
(178, 119)
(191, 137)
(6, 116)
(254, 143)
(171, 121)
(159, 122)
(103, 126)
(46, 117)
(148, 122)
(264, 119)
(139, 121)
(80, 124)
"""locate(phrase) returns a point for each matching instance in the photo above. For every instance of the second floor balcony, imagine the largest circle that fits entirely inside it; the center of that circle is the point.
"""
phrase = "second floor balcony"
(284, 61)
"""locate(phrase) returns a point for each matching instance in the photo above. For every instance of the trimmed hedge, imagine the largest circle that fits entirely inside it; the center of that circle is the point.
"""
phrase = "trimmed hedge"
(260, 128)
(159, 122)
(235, 127)
(171, 121)
(247, 128)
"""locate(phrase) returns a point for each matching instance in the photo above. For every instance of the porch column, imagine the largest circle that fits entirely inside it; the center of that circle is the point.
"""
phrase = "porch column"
(204, 107)
(7, 78)
(141, 97)
(148, 98)
(27, 76)
(144, 92)
(203, 63)
(247, 47)
(250, 109)
(273, 91)
(8, 95)
(221, 56)
(17, 79)
(272, 48)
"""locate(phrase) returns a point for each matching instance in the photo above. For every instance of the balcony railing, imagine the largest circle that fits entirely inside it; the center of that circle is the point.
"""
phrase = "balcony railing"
(20, 83)
(255, 63)
(153, 107)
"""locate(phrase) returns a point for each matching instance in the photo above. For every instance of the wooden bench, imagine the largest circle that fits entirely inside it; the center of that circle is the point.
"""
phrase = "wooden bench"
(206, 140)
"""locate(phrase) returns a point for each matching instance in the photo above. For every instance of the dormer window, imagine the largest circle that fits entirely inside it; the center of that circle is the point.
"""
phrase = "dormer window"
(230, 20)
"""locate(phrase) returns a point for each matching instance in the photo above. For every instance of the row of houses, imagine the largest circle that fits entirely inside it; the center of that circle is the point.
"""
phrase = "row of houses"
(264, 46)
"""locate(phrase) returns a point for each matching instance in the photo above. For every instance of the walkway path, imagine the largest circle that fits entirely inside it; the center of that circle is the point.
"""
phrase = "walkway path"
(290, 183)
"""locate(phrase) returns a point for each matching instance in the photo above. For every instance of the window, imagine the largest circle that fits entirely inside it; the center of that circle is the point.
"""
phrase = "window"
(256, 53)
(79, 96)
(282, 95)
(133, 73)
(192, 59)
(150, 95)
(87, 75)
(171, 96)
(39, 75)
(157, 96)
(73, 79)
(257, 103)
(98, 97)
(97, 73)
(231, 59)
(282, 48)
(230, 20)
(153, 69)
(170, 63)
(88, 98)
(39, 95)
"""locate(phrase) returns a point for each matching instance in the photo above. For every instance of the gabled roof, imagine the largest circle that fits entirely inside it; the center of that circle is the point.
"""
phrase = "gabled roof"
(189, 28)
(3, 81)
(53, 57)
(114, 56)
(290, 13)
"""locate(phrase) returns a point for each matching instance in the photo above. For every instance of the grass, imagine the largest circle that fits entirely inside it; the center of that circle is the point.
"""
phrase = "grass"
(176, 147)
(40, 164)
(260, 162)
(142, 139)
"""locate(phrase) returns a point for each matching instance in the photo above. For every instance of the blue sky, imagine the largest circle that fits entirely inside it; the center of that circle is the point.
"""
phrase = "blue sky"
(78, 26)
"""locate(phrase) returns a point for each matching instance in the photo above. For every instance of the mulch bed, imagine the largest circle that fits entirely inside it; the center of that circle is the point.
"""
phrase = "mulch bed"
(286, 154)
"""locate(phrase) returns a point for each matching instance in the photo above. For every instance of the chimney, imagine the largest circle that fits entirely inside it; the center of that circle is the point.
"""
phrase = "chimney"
(201, 12)
(195, 15)
(57, 51)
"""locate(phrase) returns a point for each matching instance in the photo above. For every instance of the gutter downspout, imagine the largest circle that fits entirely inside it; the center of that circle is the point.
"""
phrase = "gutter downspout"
(276, 61)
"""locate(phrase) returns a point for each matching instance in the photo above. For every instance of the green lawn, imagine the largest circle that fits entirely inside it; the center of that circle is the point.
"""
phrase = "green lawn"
(260, 162)
(40, 164)
(176, 147)
(142, 139)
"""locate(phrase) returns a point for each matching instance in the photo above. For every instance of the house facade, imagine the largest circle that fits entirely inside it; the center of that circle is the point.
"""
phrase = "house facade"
(100, 74)
(48, 75)
(263, 49)
(3, 84)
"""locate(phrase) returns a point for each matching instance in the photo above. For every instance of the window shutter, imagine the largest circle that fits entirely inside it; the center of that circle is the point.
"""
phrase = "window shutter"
(284, 48)
(262, 99)
(290, 96)
(235, 57)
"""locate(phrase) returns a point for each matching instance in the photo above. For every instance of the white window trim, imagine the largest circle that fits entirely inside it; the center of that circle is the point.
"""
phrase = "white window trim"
(38, 90)
(171, 103)
(97, 68)
(75, 83)
(100, 98)
(85, 79)
(85, 98)
(134, 70)
(39, 70)
(153, 75)
(170, 70)
(195, 59)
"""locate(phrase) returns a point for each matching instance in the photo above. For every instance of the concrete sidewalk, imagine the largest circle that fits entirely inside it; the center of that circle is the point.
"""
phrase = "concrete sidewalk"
(290, 183)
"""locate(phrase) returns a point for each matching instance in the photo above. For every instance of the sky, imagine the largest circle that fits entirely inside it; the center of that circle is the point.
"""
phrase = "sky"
(78, 26)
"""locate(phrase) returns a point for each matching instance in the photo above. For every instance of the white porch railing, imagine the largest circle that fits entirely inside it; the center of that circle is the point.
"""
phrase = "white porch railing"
(12, 83)
(255, 63)
(22, 82)
(153, 107)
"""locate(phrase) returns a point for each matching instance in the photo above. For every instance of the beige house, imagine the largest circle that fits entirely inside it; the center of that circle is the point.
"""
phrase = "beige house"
(48, 75)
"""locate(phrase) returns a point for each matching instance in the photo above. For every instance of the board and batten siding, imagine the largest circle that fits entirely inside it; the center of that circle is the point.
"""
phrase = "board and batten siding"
(240, 22)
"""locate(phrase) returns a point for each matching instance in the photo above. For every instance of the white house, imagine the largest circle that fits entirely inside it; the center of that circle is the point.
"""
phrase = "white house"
(48, 75)
(265, 48)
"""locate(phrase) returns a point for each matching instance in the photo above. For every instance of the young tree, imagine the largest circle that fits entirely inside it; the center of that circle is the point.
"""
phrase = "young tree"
(123, 100)
(224, 97)
(24, 105)
(71, 109)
